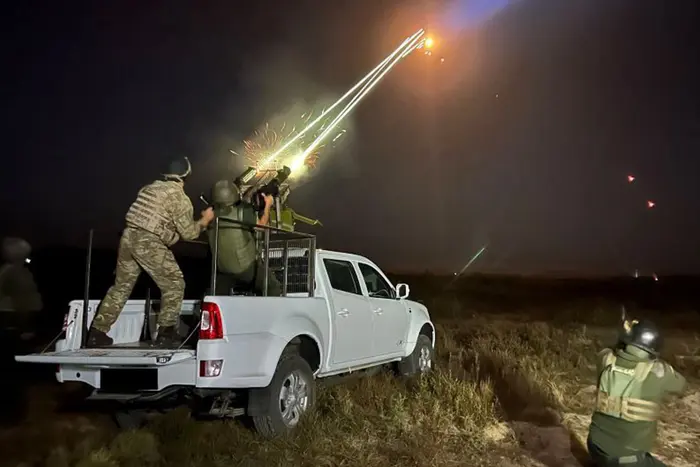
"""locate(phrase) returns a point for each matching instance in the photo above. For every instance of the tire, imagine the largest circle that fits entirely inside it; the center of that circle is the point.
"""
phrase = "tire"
(272, 419)
(421, 359)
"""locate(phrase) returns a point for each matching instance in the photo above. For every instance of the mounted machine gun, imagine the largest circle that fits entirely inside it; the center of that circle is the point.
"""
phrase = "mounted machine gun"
(253, 184)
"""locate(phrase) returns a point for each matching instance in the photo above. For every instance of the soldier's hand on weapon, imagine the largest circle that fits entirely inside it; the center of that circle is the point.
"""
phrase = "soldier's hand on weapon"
(269, 199)
(207, 215)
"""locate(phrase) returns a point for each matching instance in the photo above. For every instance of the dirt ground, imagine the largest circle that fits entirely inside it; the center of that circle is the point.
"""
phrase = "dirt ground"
(509, 390)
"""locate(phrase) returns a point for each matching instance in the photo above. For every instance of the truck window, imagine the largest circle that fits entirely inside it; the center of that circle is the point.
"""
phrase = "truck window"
(376, 285)
(342, 276)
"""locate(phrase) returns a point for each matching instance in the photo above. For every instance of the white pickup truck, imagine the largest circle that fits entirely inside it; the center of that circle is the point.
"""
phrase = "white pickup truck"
(255, 355)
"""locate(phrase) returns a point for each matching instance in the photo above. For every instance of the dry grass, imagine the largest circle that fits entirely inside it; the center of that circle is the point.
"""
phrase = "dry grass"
(497, 380)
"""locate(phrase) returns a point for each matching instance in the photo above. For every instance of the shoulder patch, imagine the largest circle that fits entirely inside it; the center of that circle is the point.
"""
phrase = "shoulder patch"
(659, 369)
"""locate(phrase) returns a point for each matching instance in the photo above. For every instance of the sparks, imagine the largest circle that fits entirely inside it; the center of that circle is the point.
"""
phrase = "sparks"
(269, 138)
(368, 77)
(283, 146)
(406, 47)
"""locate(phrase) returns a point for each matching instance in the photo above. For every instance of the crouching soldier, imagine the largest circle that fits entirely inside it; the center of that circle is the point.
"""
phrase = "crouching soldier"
(20, 301)
(632, 382)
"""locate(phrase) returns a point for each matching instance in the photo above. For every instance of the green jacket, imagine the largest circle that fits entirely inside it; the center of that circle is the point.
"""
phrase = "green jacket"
(18, 291)
(237, 244)
(628, 425)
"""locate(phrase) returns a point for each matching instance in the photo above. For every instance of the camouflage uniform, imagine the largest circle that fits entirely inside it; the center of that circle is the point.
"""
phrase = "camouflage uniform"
(238, 265)
(161, 215)
(631, 385)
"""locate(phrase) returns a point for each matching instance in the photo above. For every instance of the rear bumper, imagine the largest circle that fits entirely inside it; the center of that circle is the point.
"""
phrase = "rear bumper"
(248, 361)
(181, 373)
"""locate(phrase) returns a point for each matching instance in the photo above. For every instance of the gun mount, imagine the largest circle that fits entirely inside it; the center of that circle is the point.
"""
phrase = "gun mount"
(254, 183)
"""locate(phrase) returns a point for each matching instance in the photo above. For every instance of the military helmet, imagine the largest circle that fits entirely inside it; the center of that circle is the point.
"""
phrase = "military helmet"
(178, 169)
(645, 335)
(224, 193)
(15, 250)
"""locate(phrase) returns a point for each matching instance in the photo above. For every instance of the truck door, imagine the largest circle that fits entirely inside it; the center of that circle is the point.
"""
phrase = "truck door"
(351, 314)
(389, 313)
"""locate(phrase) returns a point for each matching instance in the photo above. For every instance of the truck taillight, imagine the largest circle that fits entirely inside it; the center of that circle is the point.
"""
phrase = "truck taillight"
(211, 326)
(210, 368)
(65, 323)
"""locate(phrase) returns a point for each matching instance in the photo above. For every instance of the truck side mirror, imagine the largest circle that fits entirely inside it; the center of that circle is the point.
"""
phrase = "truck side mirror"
(402, 291)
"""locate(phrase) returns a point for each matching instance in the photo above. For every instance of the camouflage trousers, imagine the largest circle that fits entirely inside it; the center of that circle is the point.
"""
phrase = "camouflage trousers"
(139, 249)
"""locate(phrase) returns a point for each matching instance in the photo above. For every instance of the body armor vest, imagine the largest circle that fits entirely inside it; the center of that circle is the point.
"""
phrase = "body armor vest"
(149, 211)
(237, 246)
(620, 391)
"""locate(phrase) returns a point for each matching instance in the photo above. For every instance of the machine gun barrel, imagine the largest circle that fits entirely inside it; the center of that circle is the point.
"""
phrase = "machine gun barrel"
(306, 220)
(254, 185)
(245, 177)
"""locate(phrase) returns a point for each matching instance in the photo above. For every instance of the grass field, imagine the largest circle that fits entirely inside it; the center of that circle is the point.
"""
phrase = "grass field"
(512, 387)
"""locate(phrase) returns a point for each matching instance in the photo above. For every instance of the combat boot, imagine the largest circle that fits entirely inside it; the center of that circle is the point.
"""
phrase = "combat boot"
(168, 338)
(97, 338)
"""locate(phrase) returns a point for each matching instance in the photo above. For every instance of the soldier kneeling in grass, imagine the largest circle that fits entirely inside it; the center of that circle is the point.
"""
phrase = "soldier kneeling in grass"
(632, 382)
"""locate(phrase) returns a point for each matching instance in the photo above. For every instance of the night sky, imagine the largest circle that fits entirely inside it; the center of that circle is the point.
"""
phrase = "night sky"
(522, 139)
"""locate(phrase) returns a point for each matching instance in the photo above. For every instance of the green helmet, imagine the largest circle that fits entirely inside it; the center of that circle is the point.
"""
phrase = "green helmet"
(178, 169)
(15, 250)
(224, 193)
(644, 335)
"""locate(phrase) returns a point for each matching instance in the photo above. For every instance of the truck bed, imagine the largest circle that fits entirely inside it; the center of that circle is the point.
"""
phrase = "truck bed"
(245, 357)
(128, 330)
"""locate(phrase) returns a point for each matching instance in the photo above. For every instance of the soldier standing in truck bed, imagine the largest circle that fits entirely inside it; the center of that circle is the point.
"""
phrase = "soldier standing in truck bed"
(631, 384)
(160, 216)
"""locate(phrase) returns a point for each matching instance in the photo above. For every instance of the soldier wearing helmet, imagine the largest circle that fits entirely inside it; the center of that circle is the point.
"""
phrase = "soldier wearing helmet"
(632, 381)
(238, 266)
(160, 216)
(20, 308)
(19, 297)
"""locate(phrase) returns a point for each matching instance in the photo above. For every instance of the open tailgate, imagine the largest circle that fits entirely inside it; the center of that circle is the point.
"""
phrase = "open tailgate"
(110, 357)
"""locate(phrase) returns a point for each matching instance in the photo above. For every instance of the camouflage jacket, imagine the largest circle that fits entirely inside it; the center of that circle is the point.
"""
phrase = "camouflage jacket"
(164, 209)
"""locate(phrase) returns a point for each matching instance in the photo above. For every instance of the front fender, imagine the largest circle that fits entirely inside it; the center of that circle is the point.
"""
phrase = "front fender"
(419, 319)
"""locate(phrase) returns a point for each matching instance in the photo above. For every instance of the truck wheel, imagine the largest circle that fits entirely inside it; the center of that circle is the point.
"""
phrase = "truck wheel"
(421, 359)
(290, 394)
